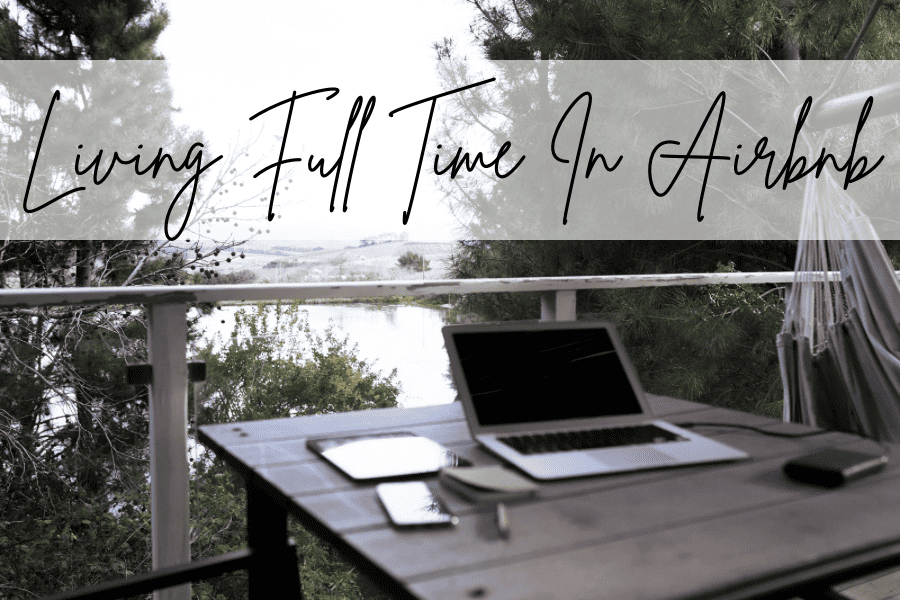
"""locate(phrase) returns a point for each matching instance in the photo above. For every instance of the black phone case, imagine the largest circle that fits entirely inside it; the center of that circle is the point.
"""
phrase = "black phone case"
(833, 467)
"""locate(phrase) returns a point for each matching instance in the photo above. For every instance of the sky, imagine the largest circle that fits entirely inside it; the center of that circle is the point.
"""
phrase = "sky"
(227, 62)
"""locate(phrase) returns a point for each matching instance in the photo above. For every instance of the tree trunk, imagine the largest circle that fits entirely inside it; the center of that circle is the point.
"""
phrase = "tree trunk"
(791, 45)
(84, 263)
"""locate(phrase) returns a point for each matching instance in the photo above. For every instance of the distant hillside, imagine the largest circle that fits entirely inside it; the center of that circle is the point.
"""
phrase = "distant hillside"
(318, 260)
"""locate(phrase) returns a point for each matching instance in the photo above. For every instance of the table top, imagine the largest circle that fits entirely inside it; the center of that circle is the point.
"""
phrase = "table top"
(728, 530)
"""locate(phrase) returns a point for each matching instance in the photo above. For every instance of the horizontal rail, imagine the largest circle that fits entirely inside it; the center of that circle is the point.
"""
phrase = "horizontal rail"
(187, 294)
(162, 578)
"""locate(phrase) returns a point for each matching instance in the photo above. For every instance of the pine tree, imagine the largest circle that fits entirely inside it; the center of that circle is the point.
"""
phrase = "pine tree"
(95, 29)
(73, 437)
(686, 341)
(682, 30)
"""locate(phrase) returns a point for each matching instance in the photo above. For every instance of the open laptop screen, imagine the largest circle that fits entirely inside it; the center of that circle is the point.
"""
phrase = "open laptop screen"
(545, 375)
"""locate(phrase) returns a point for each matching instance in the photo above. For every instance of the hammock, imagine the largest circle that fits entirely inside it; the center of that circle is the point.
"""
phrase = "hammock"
(839, 348)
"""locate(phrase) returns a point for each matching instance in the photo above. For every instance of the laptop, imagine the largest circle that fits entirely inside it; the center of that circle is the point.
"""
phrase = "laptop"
(561, 399)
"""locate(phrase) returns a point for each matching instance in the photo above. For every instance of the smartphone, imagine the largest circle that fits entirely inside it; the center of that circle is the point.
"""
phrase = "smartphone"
(411, 504)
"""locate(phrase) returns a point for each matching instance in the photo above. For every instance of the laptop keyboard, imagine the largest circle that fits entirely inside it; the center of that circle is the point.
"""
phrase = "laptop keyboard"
(590, 439)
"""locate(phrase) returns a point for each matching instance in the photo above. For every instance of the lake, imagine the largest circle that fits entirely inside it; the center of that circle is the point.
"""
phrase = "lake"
(407, 338)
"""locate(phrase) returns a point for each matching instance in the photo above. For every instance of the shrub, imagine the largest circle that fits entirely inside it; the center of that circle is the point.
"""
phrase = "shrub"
(413, 261)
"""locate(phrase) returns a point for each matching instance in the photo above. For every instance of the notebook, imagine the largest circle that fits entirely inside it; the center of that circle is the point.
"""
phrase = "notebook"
(561, 399)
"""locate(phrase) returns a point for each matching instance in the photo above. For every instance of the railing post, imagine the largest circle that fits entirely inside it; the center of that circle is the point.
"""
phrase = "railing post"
(558, 305)
(788, 289)
(169, 474)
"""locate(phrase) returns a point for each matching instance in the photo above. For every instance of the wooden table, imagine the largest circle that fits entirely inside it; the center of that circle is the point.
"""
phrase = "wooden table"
(725, 531)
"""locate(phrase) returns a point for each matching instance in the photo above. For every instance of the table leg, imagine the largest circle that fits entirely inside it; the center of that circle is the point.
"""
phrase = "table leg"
(274, 573)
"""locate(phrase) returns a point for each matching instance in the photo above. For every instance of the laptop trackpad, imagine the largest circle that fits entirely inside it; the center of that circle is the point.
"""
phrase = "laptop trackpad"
(620, 458)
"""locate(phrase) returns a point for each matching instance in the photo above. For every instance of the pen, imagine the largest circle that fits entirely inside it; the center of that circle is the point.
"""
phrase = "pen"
(502, 520)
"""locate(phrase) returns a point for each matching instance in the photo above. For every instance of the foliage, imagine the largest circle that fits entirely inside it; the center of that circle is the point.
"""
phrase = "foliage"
(73, 438)
(296, 372)
(713, 344)
(525, 103)
(271, 367)
(717, 349)
(100, 29)
(413, 261)
(682, 30)
(74, 531)
(234, 277)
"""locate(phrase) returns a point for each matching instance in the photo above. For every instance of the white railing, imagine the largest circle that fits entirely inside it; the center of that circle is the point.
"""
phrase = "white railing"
(167, 354)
